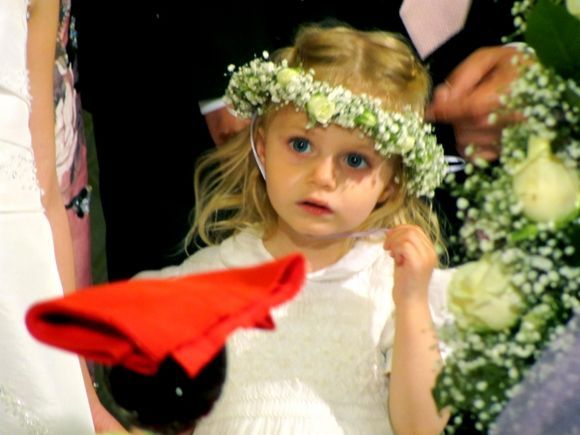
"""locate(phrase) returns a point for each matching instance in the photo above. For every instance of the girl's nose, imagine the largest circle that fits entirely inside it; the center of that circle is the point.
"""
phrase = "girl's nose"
(323, 172)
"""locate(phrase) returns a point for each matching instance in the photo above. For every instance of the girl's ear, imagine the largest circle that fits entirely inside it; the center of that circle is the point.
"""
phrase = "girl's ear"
(260, 141)
(387, 193)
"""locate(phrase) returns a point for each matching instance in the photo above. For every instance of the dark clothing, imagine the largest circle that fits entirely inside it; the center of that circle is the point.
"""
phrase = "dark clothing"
(137, 79)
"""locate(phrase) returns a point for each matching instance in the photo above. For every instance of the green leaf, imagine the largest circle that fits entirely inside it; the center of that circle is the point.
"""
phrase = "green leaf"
(573, 235)
(555, 35)
(528, 232)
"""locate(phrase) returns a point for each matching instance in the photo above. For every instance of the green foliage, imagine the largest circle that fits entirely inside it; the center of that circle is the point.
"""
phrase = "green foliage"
(555, 36)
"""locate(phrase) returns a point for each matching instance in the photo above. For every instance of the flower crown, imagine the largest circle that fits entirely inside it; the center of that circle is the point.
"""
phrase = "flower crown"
(261, 81)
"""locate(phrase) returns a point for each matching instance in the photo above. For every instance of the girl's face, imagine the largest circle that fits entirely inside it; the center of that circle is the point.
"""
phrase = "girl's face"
(322, 180)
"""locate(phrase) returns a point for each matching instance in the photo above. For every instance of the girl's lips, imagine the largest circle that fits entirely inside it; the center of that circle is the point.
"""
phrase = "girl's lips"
(315, 208)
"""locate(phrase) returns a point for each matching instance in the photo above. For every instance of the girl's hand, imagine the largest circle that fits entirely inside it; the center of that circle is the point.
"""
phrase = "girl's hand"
(415, 258)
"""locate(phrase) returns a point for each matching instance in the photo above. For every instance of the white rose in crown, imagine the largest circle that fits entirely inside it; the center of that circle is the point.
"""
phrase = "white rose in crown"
(320, 109)
(287, 76)
(481, 296)
(573, 7)
(547, 189)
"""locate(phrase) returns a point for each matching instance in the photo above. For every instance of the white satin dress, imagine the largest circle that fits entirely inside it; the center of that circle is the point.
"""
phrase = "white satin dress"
(41, 388)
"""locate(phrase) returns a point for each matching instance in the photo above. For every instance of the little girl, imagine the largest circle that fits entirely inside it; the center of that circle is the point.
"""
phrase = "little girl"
(338, 136)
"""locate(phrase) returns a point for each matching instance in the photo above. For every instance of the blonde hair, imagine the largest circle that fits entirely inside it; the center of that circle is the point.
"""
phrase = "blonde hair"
(230, 192)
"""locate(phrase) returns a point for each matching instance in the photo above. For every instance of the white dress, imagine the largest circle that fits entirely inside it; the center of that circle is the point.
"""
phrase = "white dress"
(41, 388)
(323, 370)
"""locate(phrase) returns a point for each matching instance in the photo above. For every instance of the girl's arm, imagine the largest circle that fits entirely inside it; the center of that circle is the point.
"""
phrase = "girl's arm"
(41, 46)
(416, 358)
(42, 31)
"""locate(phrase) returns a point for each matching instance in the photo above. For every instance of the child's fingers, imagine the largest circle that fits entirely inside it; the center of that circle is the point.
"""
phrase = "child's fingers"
(409, 242)
(402, 252)
(414, 257)
(411, 233)
(407, 251)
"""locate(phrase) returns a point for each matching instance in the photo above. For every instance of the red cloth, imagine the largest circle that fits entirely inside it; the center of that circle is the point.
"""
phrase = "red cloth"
(138, 323)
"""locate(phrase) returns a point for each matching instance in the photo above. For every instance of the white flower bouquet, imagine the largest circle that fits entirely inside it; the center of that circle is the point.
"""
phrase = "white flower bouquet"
(521, 227)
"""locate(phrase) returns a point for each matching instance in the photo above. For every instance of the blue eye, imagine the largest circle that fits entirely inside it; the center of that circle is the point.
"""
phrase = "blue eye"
(300, 145)
(357, 161)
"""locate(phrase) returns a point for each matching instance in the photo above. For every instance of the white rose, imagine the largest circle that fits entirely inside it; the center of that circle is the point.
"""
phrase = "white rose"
(481, 296)
(286, 76)
(320, 109)
(546, 188)
(574, 7)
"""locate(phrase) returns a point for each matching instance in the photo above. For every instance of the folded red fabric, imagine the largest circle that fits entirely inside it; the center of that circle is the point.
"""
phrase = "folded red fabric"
(139, 323)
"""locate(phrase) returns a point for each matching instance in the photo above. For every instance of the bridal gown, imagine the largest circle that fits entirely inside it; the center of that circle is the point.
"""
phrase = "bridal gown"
(41, 388)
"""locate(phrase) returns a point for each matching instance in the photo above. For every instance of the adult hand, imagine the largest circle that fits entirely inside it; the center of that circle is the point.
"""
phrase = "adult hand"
(223, 125)
(470, 94)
